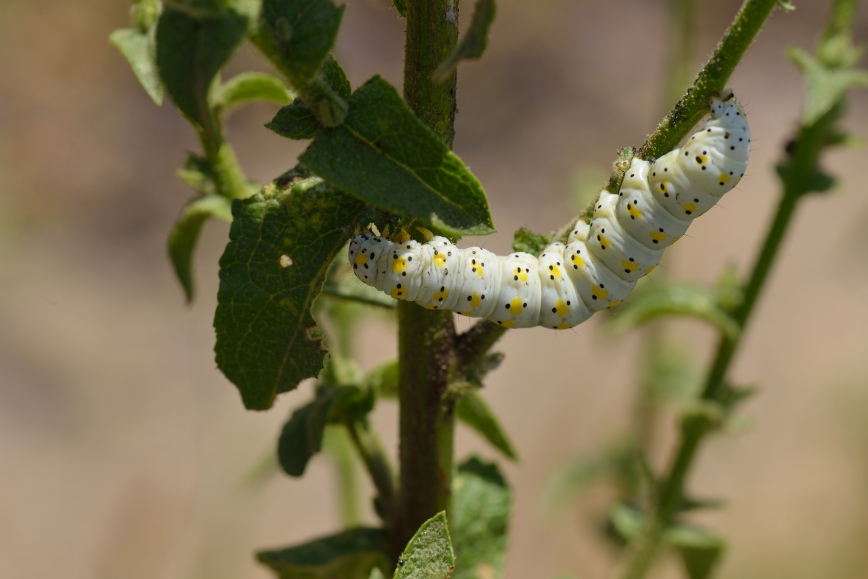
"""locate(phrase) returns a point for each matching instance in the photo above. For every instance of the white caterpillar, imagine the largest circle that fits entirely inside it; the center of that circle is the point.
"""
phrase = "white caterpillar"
(602, 260)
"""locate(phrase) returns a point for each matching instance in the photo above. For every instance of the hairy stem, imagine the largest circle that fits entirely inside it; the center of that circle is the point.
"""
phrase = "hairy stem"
(425, 337)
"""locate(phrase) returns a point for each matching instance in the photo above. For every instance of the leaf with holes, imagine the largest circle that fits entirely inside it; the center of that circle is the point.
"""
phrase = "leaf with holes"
(281, 243)
(385, 155)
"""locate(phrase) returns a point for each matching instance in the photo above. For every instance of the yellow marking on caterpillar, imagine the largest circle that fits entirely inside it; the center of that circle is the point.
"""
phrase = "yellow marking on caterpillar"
(631, 266)
(399, 264)
(441, 295)
(397, 293)
(522, 275)
(577, 259)
(507, 324)
(516, 306)
(564, 326)
(555, 271)
(474, 300)
(663, 187)
(613, 304)
(657, 236)
(701, 159)
(465, 313)
(428, 235)
(649, 270)
(689, 208)
(440, 259)
(561, 309)
(604, 241)
(724, 178)
(361, 258)
(599, 292)
(633, 211)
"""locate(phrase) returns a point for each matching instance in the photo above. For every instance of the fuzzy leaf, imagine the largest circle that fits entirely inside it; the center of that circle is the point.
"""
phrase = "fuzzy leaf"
(185, 234)
(474, 411)
(352, 554)
(190, 53)
(684, 299)
(482, 509)
(301, 437)
(302, 33)
(383, 154)
(281, 244)
(138, 49)
(294, 121)
(250, 87)
(529, 242)
(474, 41)
(429, 553)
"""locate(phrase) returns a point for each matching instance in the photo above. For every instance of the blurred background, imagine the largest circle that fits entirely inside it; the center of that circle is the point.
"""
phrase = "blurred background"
(124, 452)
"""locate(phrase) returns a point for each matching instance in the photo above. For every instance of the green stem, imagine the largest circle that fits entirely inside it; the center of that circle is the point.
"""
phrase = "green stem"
(473, 344)
(425, 337)
(842, 20)
(229, 178)
(377, 463)
(680, 66)
(339, 447)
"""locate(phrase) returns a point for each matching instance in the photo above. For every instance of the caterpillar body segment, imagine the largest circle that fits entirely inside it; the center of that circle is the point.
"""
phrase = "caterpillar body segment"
(603, 258)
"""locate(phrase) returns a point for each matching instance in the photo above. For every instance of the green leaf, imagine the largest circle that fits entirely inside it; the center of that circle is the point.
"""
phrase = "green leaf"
(383, 379)
(401, 7)
(198, 174)
(294, 121)
(376, 574)
(190, 53)
(429, 553)
(472, 410)
(474, 41)
(383, 154)
(301, 33)
(185, 234)
(626, 520)
(301, 437)
(699, 549)
(352, 554)
(825, 86)
(671, 374)
(529, 242)
(249, 87)
(686, 299)
(482, 505)
(138, 49)
(281, 244)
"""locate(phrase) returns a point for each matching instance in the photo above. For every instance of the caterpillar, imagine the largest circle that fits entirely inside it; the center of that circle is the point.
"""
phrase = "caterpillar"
(603, 257)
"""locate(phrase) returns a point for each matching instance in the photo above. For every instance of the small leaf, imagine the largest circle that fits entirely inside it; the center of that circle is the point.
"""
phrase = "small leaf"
(474, 41)
(472, 410)
(786, 5)
(626, 520)
(699, 549)
(429, 553)
(401, 7)
(190, 53)
(198, 174)
(249, 87)
(281, 244)
(301, 437)
(301, 33)
(383, 379)
(529, 242)
(376, 574)
(482, 506)
(684, 299)
(185, 234)
(138, 49)
(352, 554)
(825, 86)
(383, 154)
(294, 121)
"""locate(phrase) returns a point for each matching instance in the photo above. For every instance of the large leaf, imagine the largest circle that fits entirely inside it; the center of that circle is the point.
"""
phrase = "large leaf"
(138, 48)
(190, 52)
(429, 553)
(474, 411)
(301, 33)
(251, 87)
(281, 244)
(351, 554)
(383, 154)
(302, 435)
(185, 234)
(686, 299)
(482, 504)
(474, 41)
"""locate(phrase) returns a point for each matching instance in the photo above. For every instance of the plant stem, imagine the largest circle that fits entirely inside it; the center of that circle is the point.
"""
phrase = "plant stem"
(376, 462)
(229, 178)
(473, 344)
(425, 337)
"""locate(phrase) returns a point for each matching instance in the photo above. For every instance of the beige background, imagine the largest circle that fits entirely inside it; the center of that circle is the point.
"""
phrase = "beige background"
(125, 453)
